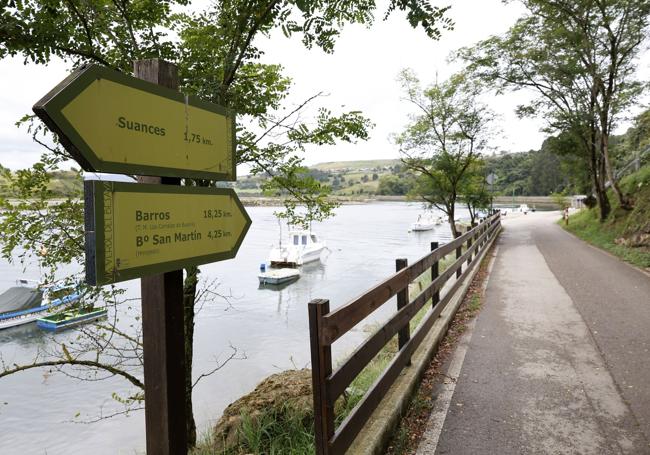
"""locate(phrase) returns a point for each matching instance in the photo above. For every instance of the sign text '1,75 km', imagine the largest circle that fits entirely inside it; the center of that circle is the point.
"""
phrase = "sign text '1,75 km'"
(112, 122)
(138, 229)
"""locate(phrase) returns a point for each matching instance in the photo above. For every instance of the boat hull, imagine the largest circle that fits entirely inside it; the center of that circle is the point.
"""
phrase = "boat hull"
(285, 258)
(14, 322)
(25, 317)
(280, 276)
(52, 324)
(423, 227)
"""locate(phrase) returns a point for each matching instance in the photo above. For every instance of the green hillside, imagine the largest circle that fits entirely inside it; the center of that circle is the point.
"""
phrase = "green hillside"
(347, 178)
(625, 233)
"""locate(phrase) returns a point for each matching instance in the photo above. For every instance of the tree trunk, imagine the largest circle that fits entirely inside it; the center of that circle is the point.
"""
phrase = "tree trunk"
(595, 164)
(472, 215)
(599, 182)
(189, 297)
(452, 223)
(623, 200)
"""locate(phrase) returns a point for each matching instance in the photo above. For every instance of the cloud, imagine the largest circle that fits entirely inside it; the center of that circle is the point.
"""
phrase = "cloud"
(24, 85)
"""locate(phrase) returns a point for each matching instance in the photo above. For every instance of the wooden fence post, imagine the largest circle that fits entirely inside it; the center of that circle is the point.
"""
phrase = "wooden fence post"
(404, 334)
(469, 245)
(321, 368)
(459, 253)
(486, 226)
(163, 337)
(435, 272)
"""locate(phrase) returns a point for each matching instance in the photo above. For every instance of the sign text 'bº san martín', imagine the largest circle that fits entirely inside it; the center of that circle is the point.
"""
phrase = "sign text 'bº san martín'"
(156, 228)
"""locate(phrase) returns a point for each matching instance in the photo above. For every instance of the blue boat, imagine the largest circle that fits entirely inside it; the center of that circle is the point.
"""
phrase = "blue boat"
(70, 318)
(24, 304)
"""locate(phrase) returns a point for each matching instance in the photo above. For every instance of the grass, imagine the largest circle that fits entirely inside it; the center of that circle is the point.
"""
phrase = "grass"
(620, 224)
(283, 431)
(586, 225)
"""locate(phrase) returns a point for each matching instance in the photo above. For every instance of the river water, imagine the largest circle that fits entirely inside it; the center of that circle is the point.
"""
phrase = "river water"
(40, 411)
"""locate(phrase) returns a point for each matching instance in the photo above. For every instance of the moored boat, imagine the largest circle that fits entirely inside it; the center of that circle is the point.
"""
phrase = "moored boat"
(301, 247)
(24, 304)
(426, 222)
(278, 276)
(70, 318)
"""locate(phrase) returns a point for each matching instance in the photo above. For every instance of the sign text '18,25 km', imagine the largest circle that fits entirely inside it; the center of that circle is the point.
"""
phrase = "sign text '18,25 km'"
(156, 228)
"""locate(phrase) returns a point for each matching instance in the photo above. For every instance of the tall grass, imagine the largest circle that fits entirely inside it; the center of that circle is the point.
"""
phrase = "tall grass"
(275, 431)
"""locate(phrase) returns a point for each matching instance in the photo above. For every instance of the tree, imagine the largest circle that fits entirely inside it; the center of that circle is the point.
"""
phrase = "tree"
(474, 191)
(444, 139)
(392, 185)
(566, 172)
(217, 61)
(581, 90)
(554, 167)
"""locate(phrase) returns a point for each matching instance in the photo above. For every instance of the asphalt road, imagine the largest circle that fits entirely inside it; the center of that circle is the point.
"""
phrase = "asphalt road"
(558, 361)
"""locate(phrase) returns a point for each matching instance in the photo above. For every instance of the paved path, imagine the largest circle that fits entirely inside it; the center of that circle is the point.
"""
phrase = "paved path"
(558, 360)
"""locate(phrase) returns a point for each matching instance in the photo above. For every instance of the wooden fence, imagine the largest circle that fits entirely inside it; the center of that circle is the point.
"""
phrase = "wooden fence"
(326, 327)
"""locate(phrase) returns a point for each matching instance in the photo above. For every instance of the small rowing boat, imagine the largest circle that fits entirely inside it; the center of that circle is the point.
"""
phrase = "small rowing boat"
(278, 276)
(70, 318)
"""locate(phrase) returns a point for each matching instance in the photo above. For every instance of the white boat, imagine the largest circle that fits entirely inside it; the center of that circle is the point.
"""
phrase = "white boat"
(523, 208)
(278, 276)
(23, 304)
(426, 222)
(301, 247)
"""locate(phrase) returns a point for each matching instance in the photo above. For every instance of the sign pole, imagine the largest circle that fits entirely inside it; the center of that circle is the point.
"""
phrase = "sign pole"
(162, 323)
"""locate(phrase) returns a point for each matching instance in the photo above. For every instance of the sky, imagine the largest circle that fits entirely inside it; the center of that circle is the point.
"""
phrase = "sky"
(361, 75)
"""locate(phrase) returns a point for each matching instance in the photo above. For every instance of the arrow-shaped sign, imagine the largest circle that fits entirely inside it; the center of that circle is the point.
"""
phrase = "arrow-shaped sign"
(138, 229)
(111, 122)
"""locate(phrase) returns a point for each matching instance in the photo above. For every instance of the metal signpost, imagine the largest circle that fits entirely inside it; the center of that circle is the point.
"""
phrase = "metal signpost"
(111, 122)
(491, 178)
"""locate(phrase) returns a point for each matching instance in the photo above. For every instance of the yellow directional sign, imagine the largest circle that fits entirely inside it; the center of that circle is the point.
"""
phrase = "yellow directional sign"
(111, 122)
(138, 229)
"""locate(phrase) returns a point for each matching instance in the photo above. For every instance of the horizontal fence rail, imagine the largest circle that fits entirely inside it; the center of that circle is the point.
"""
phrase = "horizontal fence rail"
(325, 327)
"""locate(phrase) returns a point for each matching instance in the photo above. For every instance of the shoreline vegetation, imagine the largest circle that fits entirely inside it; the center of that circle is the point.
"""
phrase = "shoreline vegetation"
(350, 182)
(542, 202)
(625, 233)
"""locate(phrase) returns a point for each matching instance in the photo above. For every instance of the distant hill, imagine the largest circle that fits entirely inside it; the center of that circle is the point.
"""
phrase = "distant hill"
(355, 165)
(62, 184)
(346, 178)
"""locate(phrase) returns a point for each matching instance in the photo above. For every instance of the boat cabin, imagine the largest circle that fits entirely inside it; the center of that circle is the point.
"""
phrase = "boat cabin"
(302, 238)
